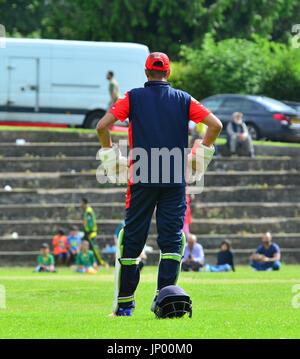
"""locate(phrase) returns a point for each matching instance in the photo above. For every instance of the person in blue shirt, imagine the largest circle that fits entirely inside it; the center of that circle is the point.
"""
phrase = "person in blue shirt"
(267, 256)
(74, 242)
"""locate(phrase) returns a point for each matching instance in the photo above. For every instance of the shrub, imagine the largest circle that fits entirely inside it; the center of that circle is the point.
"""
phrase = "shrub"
(239, 66)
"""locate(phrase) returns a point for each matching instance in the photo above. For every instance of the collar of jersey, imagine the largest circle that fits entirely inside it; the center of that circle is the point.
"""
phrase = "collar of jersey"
(157, 83)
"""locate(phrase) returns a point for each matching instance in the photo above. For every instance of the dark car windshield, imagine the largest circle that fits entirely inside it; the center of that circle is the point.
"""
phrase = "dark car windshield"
(274, 105)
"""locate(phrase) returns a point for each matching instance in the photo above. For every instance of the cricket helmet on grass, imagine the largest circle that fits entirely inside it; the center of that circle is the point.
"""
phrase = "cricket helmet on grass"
(172, 302)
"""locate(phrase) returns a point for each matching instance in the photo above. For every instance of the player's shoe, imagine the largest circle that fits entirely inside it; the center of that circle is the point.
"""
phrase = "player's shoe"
(124, 313)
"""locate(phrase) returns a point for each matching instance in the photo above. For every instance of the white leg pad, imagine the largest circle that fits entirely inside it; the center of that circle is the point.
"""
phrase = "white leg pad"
(118, 271)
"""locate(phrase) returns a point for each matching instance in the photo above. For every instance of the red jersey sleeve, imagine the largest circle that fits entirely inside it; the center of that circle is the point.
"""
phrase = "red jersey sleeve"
(197, 111)
(121, 108)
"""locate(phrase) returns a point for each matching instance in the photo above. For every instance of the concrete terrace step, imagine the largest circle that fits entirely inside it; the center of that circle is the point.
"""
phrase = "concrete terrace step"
(242, 241)
(90, 148)
(116, 210)
(40, 136)
(59, 162)
(248, 240)
(255, 193)
(34, 136)
(54, 180)
(52, 149)
(53, 170)
(227, 210)
(209, 194)
(60, 211)
(20, 258)
(27, 196)
(201, 226)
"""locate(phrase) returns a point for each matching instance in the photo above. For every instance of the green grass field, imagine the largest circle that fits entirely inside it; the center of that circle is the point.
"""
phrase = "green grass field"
(244, 304)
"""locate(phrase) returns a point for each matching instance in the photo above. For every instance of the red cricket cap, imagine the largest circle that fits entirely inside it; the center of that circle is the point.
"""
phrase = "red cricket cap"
(158, 57)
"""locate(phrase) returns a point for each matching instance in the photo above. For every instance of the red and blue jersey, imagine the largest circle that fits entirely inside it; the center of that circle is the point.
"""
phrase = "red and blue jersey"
(158, 120)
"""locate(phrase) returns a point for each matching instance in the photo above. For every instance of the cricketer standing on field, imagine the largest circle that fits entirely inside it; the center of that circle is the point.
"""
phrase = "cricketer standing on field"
(158, 119)
(89, 221)
(90, 229)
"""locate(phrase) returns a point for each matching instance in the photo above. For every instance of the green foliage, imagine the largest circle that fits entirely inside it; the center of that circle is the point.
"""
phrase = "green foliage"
(242, 18)
(160, 24)
(189, 78)
(239, 66)
(22, 18)
(284, 80)
(163, 25)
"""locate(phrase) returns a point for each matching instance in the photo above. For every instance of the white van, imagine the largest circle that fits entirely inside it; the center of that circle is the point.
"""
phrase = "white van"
(64, 82)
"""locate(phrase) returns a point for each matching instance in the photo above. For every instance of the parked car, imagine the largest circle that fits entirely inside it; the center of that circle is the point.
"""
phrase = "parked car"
(264, 116)
(64, 82)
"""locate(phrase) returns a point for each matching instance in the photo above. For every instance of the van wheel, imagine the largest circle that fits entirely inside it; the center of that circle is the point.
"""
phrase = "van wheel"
(93, 119)
(253, 131)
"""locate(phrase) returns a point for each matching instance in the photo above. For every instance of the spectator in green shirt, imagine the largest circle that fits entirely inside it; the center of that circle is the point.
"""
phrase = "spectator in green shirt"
(114, 90)
(45, 260)
(85, 259)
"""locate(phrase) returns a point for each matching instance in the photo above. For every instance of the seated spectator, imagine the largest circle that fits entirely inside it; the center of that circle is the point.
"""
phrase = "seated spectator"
(267, 256)
(74, 242)
(45, 260)
(225, 261)
(193, 255)
(237, 134)
(85, 260)
(60, 247)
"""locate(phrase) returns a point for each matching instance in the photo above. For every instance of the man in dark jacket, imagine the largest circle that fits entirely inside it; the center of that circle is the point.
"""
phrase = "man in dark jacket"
(225, 259)
(237, 134)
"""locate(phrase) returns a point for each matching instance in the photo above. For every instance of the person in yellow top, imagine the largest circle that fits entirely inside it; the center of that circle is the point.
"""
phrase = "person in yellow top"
(90, 229)
(89, 221)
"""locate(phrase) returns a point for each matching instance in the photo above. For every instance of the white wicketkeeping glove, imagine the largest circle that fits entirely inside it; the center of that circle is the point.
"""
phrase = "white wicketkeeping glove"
(198, 161)
(114, 164)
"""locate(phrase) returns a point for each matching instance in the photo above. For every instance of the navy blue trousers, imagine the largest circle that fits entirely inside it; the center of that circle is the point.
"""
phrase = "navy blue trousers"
(170, 203)
(264, 266)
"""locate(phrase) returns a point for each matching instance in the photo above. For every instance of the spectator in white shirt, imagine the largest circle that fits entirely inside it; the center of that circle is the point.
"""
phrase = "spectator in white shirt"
(193, 255)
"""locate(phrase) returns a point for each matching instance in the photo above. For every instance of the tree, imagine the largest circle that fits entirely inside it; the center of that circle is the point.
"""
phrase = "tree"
(225, 19)
(22, 18)
(241, 66)
(161, 24)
